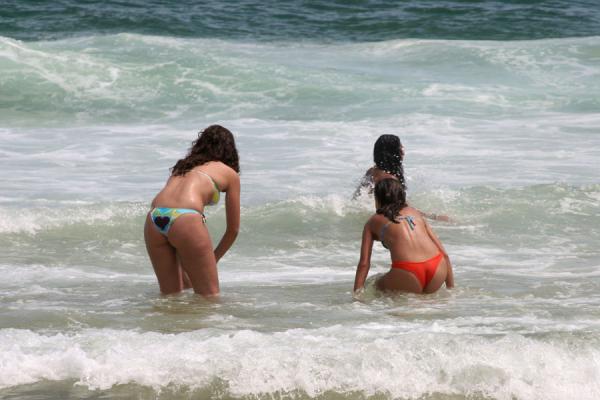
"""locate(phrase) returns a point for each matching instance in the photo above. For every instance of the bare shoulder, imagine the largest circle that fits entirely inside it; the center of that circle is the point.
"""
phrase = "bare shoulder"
(222, 174)
(413, 212)
(221, 169)
(376, 220)
(232, 174)
(233, 178)
(369, 222)
(379, 175)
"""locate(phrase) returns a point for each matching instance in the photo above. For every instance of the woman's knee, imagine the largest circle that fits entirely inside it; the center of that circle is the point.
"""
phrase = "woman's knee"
(209, 290)
(212, 293)
(169, 289)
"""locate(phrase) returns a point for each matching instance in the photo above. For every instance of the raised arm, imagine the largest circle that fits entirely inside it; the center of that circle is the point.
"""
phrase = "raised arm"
(364, 264)
(232, 212)
(438, 243)
(365, 182)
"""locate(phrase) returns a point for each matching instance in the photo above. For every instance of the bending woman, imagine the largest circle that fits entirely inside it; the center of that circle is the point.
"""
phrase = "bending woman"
(177, 240)
(419, 262)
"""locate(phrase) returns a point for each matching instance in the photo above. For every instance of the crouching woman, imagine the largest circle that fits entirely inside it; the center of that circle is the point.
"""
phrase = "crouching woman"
(419, 262)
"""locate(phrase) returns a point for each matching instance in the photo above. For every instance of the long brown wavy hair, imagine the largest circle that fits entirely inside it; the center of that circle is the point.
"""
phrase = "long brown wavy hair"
(215, 143)
(391, 198)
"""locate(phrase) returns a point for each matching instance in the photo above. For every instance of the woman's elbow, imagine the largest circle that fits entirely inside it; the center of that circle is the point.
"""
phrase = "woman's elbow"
(233, 232)
(362, 266)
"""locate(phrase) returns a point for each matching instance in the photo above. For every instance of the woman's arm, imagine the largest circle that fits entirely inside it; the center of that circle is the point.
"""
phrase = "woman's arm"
(365, 182)
(232, 212)
(366, 248)
(435, 217)
(438, 243)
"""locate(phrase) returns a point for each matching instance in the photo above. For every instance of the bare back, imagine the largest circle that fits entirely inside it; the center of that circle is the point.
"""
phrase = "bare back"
(404, 243)
(195, 189)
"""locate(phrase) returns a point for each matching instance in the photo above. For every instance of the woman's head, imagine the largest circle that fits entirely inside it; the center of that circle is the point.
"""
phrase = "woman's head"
(390, 197)
(214, 143)
(388, 155)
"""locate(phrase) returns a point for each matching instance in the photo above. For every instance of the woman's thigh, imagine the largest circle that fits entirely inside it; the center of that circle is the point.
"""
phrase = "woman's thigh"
(163, 258)
(194, 248)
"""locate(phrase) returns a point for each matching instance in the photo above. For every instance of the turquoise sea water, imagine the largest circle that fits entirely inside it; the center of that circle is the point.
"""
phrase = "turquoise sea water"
(497, 105)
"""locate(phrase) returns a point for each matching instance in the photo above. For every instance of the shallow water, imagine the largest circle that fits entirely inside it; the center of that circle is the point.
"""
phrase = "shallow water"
(500, 134)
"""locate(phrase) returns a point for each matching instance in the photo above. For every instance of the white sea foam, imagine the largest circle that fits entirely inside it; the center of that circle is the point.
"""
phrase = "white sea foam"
(311, 361)
(13, 220)
(23, 275)
(278, 275)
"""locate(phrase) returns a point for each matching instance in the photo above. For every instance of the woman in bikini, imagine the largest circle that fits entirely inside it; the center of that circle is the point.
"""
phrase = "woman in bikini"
(177, 240)
(419, 262)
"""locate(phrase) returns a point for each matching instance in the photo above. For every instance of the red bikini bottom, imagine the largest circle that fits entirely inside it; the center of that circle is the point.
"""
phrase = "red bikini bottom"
(424, 270)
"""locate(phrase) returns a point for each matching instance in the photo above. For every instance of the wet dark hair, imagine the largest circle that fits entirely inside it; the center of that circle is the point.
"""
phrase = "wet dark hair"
(391, 198)
(387, 154)
(215, 143)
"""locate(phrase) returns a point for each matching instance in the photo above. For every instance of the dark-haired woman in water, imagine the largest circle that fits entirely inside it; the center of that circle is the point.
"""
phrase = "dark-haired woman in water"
(419, 262)
(177, 240)
(388, 155)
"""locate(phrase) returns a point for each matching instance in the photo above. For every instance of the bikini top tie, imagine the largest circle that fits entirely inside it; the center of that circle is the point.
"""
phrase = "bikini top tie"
(410, 220)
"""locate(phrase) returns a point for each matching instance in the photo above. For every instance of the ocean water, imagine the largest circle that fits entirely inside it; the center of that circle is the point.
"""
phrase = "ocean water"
(497, 105)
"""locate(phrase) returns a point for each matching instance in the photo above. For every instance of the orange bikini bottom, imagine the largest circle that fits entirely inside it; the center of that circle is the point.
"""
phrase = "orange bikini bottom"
(424, 270)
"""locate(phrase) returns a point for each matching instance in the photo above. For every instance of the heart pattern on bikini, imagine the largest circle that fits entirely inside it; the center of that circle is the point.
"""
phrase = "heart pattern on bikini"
(162, 222)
